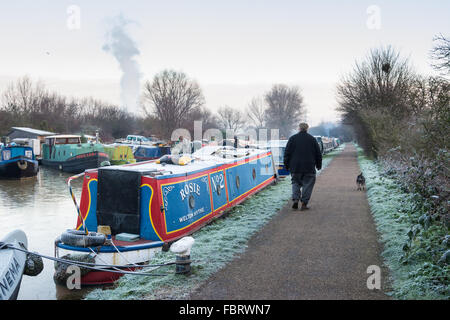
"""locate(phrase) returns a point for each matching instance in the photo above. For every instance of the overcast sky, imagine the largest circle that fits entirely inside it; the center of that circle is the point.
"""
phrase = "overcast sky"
(234, 49)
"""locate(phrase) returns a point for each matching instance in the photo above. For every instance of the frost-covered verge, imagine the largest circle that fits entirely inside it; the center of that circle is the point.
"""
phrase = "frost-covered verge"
(215, 245)
(415, 243)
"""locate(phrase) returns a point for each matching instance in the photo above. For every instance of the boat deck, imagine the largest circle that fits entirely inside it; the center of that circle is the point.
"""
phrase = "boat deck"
(122, 246)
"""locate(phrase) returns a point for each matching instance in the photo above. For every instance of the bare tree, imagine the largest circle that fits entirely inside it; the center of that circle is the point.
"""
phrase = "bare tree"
(24, 97)
(285, 108)
(441, 54)
(376, 97)
(28, 103)
(172, 96)
(256, 113)
(230, 118)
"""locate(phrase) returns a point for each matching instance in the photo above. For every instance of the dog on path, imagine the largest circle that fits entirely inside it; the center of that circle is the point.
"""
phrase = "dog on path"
(361, 182)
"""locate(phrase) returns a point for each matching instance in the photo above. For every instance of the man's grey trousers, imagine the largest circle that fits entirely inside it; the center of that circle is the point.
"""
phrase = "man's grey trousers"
(302, 186)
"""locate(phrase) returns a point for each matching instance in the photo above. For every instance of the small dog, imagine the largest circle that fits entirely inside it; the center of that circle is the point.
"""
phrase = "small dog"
(361, 182)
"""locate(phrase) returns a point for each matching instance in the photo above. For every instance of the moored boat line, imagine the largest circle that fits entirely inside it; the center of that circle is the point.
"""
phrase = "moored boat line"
(164, 202)
(158, 202)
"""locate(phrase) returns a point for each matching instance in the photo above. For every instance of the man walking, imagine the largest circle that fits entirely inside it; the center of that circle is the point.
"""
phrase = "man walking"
(301, 157)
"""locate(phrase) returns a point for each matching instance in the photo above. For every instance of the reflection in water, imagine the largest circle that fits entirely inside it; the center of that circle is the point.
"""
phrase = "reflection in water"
(43, 209)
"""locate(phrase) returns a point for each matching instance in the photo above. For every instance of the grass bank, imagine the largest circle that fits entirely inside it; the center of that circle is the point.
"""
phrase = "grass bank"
(215, 245)
(414, 245)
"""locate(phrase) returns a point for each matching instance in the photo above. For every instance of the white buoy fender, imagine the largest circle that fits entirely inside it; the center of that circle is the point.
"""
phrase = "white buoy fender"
(183, 246)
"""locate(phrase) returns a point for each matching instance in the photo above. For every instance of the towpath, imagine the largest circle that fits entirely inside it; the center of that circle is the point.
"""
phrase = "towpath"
(321, 253)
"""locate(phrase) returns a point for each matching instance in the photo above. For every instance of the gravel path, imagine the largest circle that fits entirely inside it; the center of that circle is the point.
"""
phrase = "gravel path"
(321, 253)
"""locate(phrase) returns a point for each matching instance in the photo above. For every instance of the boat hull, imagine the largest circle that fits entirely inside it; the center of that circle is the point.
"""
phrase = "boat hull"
(95, 278)
(18, 168)
(12, 265)
(282, 172)
(79, 163)
(126, 253)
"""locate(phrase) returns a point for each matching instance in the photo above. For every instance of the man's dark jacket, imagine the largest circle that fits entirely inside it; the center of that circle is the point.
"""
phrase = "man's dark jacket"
(302, 154)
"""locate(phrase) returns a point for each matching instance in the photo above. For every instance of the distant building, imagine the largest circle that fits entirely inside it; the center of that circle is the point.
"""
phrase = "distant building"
(29, 133)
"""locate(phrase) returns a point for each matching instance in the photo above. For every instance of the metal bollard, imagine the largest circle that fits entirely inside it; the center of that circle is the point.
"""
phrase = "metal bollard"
(182, 250)
(183, 265)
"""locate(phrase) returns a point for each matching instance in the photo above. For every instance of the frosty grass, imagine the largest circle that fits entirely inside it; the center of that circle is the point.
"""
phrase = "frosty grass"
(215, 245)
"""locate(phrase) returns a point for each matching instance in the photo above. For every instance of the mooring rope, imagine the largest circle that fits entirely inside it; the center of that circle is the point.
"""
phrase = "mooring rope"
(91, 266)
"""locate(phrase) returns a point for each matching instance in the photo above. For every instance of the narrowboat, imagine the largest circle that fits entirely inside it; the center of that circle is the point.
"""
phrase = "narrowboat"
(328, 144)
(320, 142)
(119, 154)
(154, 203)
(17, 161)
(145, 153)
(68, 154)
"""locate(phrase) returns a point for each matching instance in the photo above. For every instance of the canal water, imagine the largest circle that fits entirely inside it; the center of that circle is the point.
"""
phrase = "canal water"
(43, 209)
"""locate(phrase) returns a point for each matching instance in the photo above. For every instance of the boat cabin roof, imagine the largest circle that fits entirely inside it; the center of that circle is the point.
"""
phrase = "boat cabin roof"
(208, 157)
(64, 139)
(63, 136)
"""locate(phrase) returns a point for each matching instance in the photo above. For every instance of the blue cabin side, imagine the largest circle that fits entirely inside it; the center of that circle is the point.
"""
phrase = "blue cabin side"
(15, 152)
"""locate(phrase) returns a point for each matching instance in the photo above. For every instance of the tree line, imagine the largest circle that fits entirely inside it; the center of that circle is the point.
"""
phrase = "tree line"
(170, 100)
(402, 118)
(389, 105)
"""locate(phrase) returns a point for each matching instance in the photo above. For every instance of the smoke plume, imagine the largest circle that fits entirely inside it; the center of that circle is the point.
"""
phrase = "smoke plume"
(124, 49)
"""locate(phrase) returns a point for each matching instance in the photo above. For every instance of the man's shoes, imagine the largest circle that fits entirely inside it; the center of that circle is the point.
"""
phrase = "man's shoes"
(304, 207)
(295, 205)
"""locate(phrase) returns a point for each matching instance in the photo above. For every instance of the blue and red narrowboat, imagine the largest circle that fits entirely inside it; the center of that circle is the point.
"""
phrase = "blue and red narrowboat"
(159, 203)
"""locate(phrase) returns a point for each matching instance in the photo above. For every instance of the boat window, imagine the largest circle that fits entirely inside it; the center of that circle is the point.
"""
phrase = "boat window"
(73, 140)
(6, 154)
(254, 174)
(60, 141)
(140, 152)
(238, 182)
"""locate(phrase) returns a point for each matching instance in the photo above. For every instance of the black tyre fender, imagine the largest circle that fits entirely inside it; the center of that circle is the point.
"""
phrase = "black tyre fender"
(33, 265)
(79, 238)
